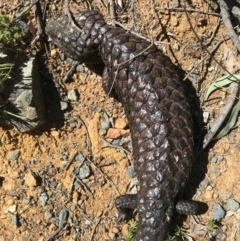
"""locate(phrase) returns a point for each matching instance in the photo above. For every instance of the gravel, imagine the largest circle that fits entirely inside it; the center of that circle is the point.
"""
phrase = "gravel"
(13, 155)
(43, 198)
(232, 204)
(218, 212)
(84, 172)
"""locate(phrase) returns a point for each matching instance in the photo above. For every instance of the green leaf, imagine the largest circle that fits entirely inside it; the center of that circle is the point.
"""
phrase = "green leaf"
(221, 82)
(231, 122)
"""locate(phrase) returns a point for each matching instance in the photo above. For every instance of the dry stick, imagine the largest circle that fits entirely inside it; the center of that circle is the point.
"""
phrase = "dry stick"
(57, 232)
(214, 33)
(228, 25)
(132, 13)
(67, 11)
(110, 181)
(139, 35)
(112, 12)
(232, 91)
(223, 116)
(189, 10)
(36, 10)
(114, 146)
(70, 71)
(205, 57)
(71, 160)
(25, 10)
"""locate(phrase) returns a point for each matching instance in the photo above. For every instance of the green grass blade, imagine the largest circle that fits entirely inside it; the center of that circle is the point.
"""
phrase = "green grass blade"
(221, 82)
(231, 122)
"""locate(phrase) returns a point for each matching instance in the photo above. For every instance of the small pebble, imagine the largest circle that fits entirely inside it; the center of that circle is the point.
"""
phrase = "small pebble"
(214, 159)
(13, 155)
(131, 171)
(203, 184)
(15, 220)
(121, 123)
(218, 212)
(62, 56)
(116, 133)
(11, 209)
(106, 124)
(63, 217)
(64, 105)
(54, 53)
(73, 95)
(43, 198)
(232, 204)
(84, 172)
(79, 157)
(214, 170)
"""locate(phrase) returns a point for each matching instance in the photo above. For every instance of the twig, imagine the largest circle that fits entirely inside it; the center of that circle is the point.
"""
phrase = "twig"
(104, 175)
(70, 71)
(233, 90)
(112, 12)
(94, 228)
(37, 13)
(114, 146)
(205, 57)
(57, 233)
(228, 25)
(71, 188)
(139, 35)
(214, 33)
(189, 10)
(69, 14)
(132, 13)
(25, 10)
(71, 160)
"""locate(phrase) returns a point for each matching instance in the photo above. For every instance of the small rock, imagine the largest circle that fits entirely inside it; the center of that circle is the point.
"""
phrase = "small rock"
(63, 217)
(15, 220)
(203, 184)
(11, 209)
(115, 230)
(106, 124)
(121, 123)
(30, 180)
(214, 159)
(116, 133)
(218, 212)
(232, 204)
(79, 157)
(55, 134)
(174, 4)
(43, 198)
(208, 195)
(62, 56)
(52, 227)
(13, 155)
(131, 171)
(75, 197)
(54, 53)
(73, 95)
(64, 105)
(111, 235)
(84, 172)
(214, 170)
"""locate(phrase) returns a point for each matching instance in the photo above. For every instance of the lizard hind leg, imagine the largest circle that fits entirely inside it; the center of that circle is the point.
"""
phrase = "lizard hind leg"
(125, 202)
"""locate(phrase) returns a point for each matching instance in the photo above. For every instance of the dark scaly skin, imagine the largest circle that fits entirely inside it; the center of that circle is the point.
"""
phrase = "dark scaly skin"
(148, 85)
